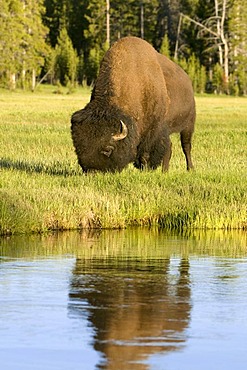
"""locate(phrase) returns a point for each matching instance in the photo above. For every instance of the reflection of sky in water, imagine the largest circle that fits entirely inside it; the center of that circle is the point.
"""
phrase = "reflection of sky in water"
(62, 312)
(34, 318)
(216, 338)
(32, 295)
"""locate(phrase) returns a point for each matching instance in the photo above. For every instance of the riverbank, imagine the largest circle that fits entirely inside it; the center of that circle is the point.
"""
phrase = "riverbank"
(42, 187)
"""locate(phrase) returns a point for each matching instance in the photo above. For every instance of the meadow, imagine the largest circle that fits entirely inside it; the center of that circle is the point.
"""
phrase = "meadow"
(42, 187)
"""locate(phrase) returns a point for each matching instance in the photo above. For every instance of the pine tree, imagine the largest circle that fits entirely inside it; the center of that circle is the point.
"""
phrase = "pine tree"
(65, 60)
(136, 18)
(24, 48)
(164, 49)
(10, 42)
(167, 21)
(33, 45)
(78, 25)
(55, 18)
(123, 19)
(238, 46)
(96, 17)
(150, 9)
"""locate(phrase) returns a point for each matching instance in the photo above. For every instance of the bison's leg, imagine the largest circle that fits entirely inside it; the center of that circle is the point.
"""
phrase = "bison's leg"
(167, 154)
(185, 137)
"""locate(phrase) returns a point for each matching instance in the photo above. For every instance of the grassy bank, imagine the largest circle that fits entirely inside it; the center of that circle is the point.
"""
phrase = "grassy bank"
(42, 187)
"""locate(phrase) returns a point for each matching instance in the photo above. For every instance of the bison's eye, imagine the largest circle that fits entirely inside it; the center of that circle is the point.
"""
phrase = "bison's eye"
(107, 150)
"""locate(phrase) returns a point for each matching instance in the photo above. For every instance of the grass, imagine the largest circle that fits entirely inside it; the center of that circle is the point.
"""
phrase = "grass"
(42, 187)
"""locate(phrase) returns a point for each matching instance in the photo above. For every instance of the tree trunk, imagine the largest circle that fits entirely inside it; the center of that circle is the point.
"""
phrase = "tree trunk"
(219, 31)
(223, 51)
(142, 20)
(225, 43)
(23, 78)
(33, 79)
(12, 81)
(108, 22)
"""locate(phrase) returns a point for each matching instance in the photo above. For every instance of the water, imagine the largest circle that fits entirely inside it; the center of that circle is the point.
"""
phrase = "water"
(128, 300)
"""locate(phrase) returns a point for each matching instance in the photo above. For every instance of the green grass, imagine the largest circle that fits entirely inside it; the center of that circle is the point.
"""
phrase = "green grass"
(42, 187)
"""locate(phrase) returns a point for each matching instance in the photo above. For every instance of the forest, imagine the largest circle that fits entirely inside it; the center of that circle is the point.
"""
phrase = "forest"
(63, 41)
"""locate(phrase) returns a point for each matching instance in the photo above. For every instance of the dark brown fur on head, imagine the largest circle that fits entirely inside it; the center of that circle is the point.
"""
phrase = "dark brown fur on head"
(93, 132)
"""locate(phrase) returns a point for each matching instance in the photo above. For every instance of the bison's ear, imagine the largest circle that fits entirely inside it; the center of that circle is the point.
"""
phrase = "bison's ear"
(107, 150)
(123, 132)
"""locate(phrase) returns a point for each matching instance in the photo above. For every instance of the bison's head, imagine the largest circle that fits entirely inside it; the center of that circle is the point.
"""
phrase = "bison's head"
(101, 144)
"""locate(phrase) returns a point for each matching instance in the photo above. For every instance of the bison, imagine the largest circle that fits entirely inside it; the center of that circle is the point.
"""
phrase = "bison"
(140, 97)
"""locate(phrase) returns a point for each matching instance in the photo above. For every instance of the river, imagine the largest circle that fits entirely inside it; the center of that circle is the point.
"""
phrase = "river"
(124, 300)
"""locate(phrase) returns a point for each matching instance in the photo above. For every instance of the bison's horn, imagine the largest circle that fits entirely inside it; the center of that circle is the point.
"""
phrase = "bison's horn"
(123, 132)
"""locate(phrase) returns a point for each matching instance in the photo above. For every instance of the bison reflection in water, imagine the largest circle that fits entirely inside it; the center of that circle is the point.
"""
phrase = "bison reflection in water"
(140, 98)
(135, 308)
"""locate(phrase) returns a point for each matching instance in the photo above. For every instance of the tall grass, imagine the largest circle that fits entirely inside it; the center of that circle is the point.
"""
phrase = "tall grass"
(42, 187)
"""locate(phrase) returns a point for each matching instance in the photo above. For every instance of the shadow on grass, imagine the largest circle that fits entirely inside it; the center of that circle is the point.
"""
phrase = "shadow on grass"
(53, 169)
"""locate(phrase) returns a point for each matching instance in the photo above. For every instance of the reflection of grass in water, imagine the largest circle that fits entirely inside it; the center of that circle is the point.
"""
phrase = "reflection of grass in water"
(126, 244)
(42, 187)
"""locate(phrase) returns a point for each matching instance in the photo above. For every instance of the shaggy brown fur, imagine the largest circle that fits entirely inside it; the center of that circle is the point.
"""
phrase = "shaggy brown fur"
(152, 96)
